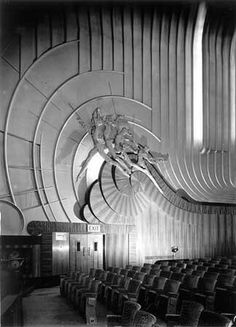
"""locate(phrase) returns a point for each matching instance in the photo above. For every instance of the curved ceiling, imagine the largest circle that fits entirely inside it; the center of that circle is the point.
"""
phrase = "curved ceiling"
(58, 63)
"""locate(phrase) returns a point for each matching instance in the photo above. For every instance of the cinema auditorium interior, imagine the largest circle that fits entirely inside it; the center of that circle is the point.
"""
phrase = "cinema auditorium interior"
(118, 163)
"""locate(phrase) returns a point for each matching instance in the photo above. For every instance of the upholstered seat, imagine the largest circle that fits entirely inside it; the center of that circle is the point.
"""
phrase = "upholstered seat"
(126, 318)
(178, 276)
(199, 273)
(165, 298)
(225, 300)
(213, 319)
(176, 269)
(147, 283)
(189, 315)
(139, 275)
(115, 295)
(144, 319)
(158, 284)
(79, 288)
(211, 274)
(225, 281)
(205, 293)
(166, 274)
(155, 271)
(122, 283)
(131, 293)
(117, 270)
(91, 292)
(109, 281)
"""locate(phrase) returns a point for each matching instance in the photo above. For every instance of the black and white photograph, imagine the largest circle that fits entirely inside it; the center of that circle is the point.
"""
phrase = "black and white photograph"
(118, 163)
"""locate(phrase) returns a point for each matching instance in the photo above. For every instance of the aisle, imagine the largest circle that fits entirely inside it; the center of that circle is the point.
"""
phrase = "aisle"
(46, 308)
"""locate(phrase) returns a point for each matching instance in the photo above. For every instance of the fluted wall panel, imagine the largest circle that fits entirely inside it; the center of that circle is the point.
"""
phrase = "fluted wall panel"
(132, 60)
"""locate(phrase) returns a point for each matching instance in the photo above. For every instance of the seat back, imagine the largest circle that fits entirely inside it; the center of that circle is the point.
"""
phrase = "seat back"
(190, 313)
(176, 269)
(225, 280)
(131, 273)
(98, 273)
(148, 280)
(210, 319)
(139, 275)
(145, 269)
(202, 268)
(182, 265)
(166, 274)
(117, 270)
(88, 282)
(134, 286)
(172, 286)
(229, 271)
(199, 273)
(159, 283)
(110, 277)
(147, 265)
(144, 319)
(136, 268)
(125, 282)
(211, 274)
(124, 272)
(117, 280)
(206, 284)
(221, 266)
(225, 300)
(155, 271)
(192, 266)
(187, 271)
(190, 282)
(165, 268)
(94, 286)
(129, 310)
(178, 276)
(92, 272)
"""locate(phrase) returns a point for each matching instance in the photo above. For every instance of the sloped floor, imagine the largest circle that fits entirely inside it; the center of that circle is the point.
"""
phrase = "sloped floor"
(45, 307)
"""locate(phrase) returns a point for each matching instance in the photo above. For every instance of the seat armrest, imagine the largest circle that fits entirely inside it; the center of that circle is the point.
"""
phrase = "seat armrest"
(172, 317)
(172, 294)
(123, 291)
(230, 316)
(113, 320)
(210, 293)
(90, 294)
(152, 291)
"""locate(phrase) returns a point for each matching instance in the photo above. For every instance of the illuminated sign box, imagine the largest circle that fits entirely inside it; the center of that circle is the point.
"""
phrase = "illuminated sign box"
(94, 228)
(61, 237)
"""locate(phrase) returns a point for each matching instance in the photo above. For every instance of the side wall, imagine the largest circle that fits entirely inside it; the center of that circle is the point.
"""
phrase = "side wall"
(58, 63)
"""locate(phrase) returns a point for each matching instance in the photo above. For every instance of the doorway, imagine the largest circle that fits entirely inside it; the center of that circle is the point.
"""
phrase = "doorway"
(86, 251)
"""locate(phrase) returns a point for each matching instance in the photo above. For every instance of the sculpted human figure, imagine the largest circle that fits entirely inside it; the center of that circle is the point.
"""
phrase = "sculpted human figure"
(113, 139)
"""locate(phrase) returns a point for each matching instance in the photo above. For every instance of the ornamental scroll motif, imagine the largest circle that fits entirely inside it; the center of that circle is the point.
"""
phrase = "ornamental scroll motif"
(114, 140)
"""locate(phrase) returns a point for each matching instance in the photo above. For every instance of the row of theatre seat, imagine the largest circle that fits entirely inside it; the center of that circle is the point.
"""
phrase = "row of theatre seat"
(161, 292)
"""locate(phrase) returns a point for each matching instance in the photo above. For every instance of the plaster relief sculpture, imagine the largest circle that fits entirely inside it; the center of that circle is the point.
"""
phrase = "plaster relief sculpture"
(114, 140)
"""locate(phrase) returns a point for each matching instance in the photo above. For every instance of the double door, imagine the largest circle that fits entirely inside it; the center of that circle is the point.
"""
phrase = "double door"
(86, 251)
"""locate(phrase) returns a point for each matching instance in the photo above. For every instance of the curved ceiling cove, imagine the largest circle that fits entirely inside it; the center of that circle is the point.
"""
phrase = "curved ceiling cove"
(135, 61)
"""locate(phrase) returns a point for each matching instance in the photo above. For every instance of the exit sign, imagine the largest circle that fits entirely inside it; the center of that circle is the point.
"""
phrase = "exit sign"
(94, 228)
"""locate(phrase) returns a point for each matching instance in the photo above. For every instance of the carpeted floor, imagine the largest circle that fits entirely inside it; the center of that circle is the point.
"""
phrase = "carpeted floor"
(47, 308)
